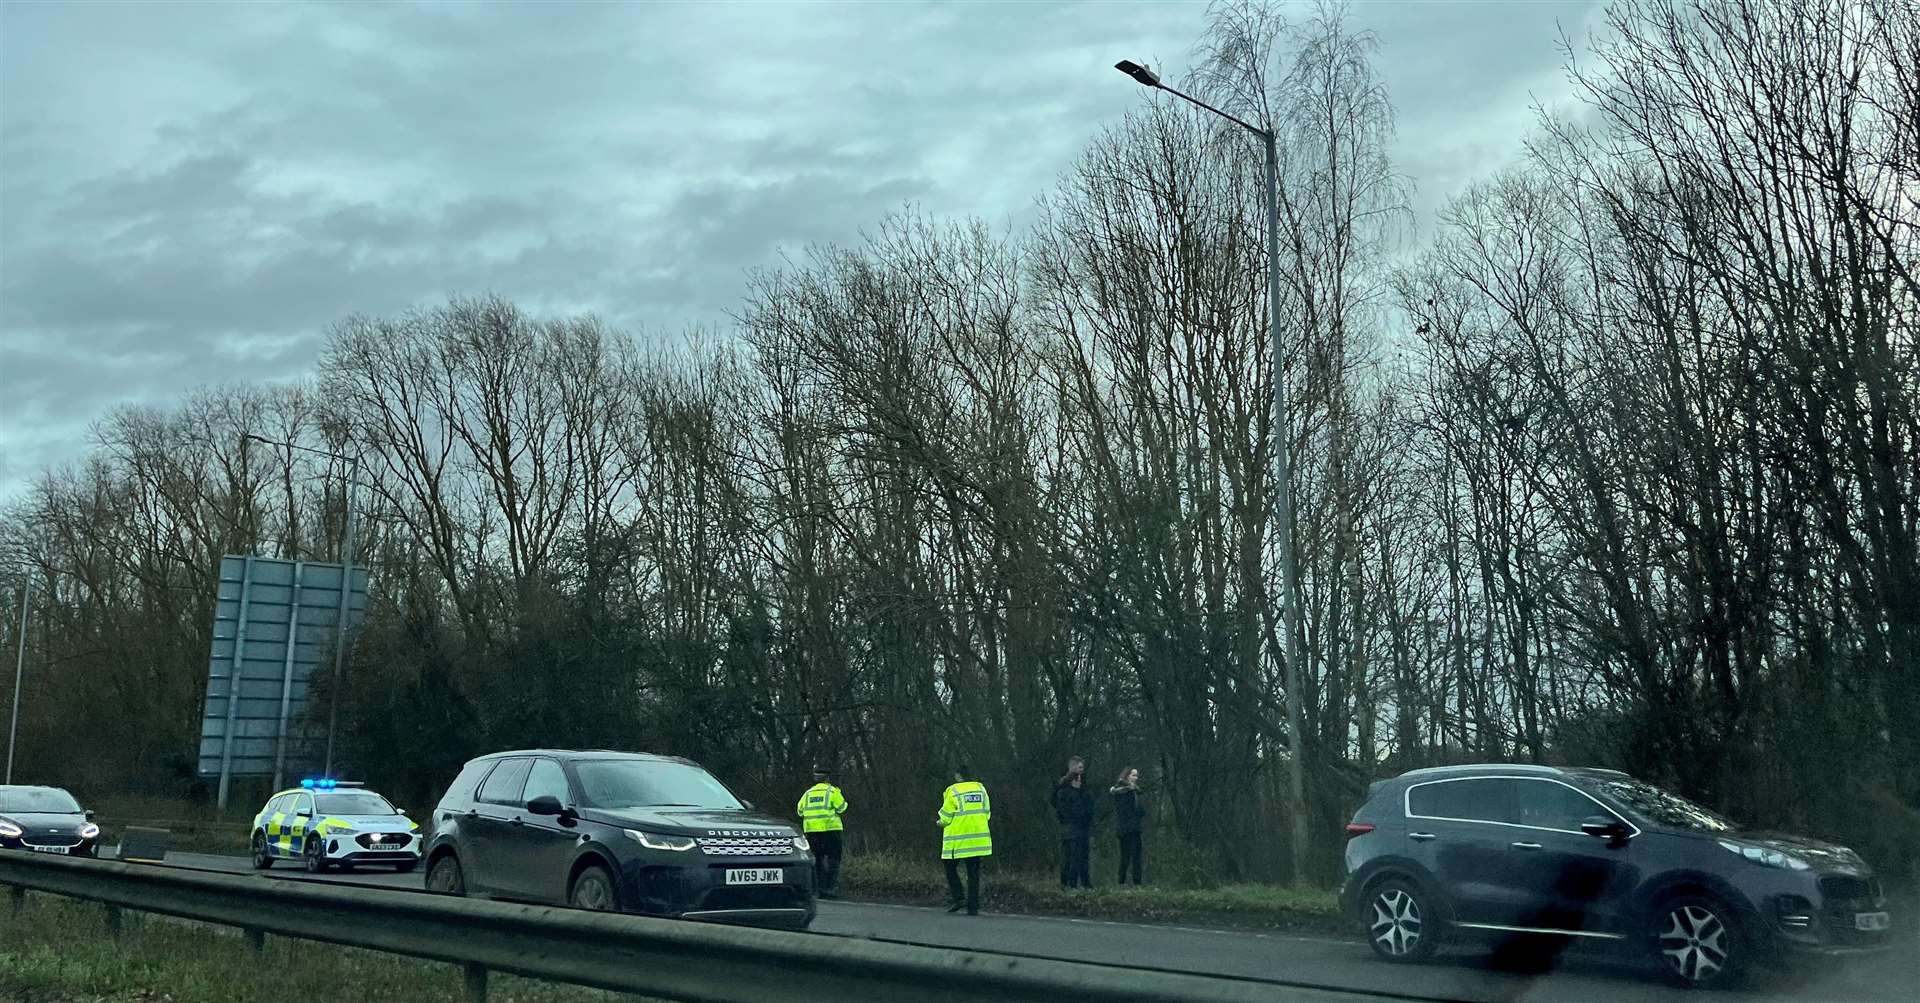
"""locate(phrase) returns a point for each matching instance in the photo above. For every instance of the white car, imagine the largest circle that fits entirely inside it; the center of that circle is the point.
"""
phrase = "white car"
(334, 823)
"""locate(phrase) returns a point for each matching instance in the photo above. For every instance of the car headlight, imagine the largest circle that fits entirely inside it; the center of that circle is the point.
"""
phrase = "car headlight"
(800, 843)
(655, 841)
(89, 831)
(1764, 856)
(9, 831)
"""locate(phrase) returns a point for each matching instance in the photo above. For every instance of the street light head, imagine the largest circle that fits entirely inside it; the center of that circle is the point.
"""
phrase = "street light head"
(1138, 72)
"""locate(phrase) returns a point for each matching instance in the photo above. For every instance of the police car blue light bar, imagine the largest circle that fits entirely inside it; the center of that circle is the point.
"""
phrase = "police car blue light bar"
(328, 783)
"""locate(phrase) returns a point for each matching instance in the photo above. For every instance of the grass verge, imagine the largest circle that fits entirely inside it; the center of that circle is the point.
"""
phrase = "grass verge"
(892, 878)
(58, 951)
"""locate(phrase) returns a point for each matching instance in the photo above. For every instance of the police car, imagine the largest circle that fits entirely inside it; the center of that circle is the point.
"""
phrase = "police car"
(334, 823)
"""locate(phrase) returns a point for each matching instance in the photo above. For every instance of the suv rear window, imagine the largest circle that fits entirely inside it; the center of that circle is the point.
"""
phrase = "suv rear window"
(1482, 799)
(503, 785)
(462, 790)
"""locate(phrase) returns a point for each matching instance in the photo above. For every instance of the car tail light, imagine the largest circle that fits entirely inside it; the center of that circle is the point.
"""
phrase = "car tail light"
(1358, 829)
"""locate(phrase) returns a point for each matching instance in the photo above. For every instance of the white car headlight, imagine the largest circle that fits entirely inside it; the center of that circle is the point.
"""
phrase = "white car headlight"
(656, 841)
(89, 831)
(1765, 856)
(800, 843)
(9, 830)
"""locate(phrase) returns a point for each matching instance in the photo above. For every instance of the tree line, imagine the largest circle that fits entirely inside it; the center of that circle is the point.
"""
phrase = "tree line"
(1617, 467)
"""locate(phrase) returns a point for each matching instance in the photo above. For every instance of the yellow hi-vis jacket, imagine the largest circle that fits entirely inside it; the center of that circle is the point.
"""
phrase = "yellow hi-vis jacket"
(964, 816)
(820, 808)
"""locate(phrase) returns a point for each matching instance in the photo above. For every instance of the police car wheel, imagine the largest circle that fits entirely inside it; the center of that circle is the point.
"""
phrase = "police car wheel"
(260, 859)
(316, 857)
(593, 889)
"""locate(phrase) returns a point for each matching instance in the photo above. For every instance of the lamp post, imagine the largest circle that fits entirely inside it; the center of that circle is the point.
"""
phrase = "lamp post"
(346, 583)
(1283, 475)
(19, 668)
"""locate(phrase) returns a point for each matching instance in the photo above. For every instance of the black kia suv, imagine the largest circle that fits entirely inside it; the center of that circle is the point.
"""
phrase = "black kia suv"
(1518, 852)
(617, 831)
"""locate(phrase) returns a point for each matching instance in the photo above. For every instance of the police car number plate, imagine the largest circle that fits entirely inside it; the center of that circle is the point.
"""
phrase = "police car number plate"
(46, 849)
(755, 876)
(1870, 921)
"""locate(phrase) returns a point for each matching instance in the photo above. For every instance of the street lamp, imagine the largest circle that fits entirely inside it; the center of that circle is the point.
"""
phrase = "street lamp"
(1289, 571)
(19, 668)
(346, 586)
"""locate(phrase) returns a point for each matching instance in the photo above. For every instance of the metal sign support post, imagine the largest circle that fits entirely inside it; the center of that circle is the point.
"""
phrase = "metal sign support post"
(233, 684)
(286, 677)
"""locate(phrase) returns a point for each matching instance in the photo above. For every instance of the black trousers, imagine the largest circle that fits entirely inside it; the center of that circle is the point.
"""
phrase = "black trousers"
(1129, 856)
(1074, 872)
(972, 892)
(826, 861)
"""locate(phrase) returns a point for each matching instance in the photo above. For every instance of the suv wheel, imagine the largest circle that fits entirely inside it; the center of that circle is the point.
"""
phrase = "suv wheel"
(593, 889)
(1400, 921)
(1698, 940)
(445, 876)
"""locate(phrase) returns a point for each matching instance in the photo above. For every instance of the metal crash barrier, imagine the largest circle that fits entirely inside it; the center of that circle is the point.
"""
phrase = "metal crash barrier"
(673, 959)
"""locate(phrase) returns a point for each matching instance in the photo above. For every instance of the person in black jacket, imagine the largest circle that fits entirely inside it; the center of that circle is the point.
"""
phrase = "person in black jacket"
(1127, 816)
(1073, 806)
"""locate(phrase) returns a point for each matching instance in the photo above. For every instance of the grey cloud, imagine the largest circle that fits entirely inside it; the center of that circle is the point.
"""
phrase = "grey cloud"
(193, 193)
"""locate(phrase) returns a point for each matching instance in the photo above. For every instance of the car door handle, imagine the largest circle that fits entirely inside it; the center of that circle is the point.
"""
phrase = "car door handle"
(1526, 846)
(1421, 836)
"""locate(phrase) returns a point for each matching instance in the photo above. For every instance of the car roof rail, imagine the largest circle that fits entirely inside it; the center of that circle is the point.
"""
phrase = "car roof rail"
(1548, 771)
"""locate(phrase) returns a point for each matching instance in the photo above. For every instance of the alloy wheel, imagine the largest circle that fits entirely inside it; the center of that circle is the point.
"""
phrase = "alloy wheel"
(1696, 943)
(445, 877)
(593, 891)
(1396, 927)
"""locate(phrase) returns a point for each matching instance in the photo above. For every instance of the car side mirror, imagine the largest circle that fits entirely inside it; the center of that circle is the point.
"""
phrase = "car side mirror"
(1602, 827)
(747, 804)
(546, 804)
(89, 814)
(402, 811)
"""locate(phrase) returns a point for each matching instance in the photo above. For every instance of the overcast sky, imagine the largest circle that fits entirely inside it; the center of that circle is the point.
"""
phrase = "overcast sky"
(190, 194)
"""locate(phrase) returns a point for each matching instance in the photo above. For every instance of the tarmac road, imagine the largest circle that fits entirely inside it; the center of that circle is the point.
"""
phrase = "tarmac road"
(1464, 974)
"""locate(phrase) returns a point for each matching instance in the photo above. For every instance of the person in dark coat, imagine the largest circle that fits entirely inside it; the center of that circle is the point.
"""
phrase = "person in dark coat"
(1073, 806)
(1127, 818)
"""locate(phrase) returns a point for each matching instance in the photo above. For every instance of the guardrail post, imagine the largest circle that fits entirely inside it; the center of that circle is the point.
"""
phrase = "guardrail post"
(256, 939)
(19, 897)
(476, 983)
(114, 925)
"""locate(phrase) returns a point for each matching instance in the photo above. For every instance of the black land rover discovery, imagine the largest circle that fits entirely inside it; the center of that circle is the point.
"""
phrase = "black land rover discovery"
(616, 831)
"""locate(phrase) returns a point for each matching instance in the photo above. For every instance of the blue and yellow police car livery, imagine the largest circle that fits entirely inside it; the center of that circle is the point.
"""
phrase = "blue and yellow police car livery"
(334, 823)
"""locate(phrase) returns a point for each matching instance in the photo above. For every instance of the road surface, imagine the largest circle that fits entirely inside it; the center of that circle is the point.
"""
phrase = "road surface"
(1464, 974)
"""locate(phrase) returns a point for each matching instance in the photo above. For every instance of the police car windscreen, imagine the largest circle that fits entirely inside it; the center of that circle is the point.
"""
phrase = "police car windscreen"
(627, 783)
(30, 800)
(352, 803)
